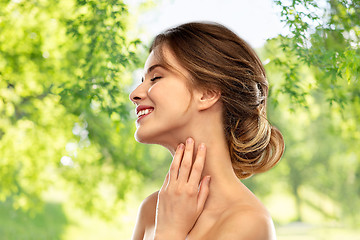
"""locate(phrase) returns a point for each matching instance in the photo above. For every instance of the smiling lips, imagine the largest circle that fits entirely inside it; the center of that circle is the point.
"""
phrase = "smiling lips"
(143, 111)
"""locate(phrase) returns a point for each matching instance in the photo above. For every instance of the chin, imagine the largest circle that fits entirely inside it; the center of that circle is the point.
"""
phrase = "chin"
(143, 138)
(161, 134)
(140, 138)
(153, 138)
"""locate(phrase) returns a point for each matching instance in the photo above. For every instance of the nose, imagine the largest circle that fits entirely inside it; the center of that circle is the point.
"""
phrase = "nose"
(138, 94)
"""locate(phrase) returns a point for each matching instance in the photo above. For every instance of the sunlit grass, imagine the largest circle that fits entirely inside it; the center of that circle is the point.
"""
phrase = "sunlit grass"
(19, 225)
(304, 231)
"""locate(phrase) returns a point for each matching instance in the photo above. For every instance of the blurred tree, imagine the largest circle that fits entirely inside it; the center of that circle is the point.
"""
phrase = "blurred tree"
(327, 39)
(314, 72)
(65, 69)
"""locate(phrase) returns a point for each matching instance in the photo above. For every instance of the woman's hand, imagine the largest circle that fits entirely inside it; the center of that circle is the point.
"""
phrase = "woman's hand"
(182, 197)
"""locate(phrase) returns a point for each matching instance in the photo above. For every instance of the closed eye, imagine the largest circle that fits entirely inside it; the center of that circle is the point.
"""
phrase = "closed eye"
(155, 78)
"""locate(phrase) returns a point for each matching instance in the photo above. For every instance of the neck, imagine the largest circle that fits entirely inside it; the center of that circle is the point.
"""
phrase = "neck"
(223, 179)
(218, 161)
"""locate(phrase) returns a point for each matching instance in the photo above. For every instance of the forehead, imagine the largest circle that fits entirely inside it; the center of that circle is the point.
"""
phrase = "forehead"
(163, 55)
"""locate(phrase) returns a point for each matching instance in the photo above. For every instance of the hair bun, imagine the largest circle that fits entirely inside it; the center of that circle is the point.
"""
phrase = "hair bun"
(256, 150)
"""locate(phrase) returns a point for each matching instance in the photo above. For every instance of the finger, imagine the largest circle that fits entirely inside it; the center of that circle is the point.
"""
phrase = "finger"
(186, 160)
(175, 164)
(203, 193)
(166, 181)
(198, 166)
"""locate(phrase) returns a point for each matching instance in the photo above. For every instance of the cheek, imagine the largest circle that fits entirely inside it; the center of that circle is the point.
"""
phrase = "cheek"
(174, 95)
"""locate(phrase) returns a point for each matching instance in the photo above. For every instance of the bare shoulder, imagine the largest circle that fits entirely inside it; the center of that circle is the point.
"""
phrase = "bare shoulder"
(245, 223)
(148, 207)
(146, 216)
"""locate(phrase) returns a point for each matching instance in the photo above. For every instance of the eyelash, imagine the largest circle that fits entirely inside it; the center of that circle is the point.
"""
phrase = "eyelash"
(155, 78)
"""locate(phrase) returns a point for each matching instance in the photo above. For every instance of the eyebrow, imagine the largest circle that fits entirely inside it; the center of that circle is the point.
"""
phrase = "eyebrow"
(153, 67)
(150, 69)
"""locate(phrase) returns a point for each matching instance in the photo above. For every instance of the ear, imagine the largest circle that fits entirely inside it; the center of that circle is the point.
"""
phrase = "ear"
(207, 98)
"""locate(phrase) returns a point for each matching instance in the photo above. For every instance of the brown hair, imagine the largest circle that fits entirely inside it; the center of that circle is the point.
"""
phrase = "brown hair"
(217, 58)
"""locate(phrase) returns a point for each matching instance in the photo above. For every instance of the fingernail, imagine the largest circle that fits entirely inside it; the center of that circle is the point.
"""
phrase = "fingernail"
(202, 146)
(181, 146)
(189, 140)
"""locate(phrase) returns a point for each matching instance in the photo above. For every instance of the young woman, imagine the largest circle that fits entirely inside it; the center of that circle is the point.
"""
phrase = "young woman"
(203, 97)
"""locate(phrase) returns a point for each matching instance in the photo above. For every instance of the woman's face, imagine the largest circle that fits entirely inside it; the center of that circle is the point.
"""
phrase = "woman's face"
(163, 101)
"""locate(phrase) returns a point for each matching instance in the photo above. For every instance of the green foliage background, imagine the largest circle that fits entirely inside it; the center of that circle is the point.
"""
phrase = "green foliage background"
(65, 70)
(315, 73)
(66, 124)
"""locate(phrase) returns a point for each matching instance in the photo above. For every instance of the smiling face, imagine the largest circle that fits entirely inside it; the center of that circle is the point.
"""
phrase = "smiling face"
(163, 101)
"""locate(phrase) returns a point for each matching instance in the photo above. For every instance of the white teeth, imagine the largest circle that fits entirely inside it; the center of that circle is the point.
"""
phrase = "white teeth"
(144, 112)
